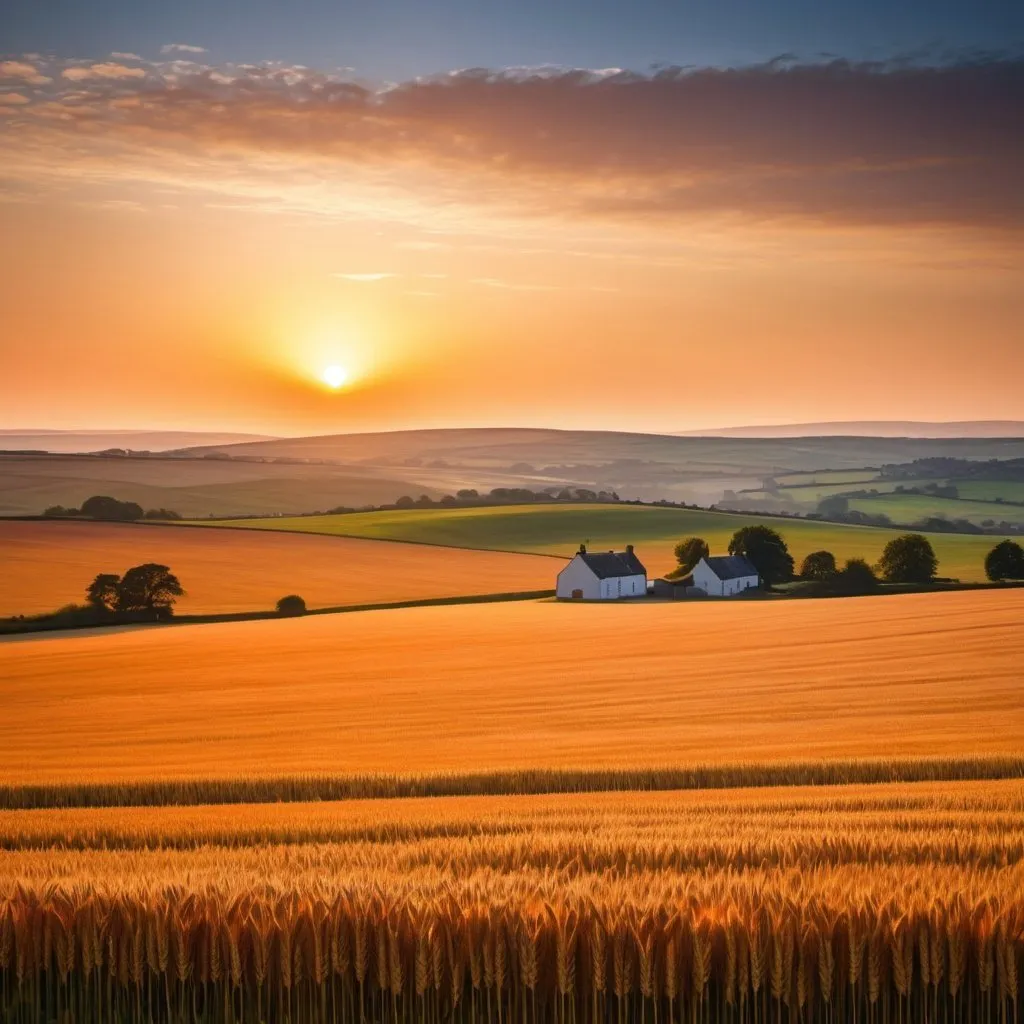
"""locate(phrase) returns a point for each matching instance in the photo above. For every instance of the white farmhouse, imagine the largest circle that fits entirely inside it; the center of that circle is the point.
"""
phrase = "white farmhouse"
(725, 575)
(602, 576)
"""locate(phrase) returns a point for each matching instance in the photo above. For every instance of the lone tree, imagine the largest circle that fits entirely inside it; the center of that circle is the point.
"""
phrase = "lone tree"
(102, 592)
(908, 559)
(292, 604)
(150, 590)
(857, 577)
(689, 551)
(1005, 561)
(819, 565)
(766, 549)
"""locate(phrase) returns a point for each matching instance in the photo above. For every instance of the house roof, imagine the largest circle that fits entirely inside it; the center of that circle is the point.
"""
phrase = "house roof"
(730, 567)
(609, 564)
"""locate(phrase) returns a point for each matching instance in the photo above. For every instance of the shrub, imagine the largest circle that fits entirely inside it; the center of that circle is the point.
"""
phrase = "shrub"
(857, 577)
(291, 604)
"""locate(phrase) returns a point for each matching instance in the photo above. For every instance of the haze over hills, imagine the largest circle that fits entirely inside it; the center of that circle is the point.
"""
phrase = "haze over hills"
(70, 441)
(289, 475)
(871, 428)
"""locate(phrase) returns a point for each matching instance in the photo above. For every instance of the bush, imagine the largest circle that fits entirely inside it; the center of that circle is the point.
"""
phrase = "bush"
(819, 565)
(857, 577)
(1005, 562)
(161, 513)
(292, 604)
(908, 559)
(60, 512)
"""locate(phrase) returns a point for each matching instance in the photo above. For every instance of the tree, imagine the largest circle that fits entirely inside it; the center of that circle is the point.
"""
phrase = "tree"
(467, 494)
(689, 551)
(819, 565)
(834, 505)
(908, 559)
(101, 506)
(102, 592)
(149, 589)
(404, 502)
(292, 604)
(1005, 561)
(857, 577)
(766, 549)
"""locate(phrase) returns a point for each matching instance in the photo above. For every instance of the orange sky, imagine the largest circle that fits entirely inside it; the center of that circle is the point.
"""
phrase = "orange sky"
(193, 254)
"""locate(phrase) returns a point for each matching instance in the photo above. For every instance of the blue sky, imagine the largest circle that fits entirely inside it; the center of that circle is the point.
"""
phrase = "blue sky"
(401, 38)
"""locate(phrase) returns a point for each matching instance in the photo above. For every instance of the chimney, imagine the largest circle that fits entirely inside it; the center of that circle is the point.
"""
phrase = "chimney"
(629, 549)
(583, 549)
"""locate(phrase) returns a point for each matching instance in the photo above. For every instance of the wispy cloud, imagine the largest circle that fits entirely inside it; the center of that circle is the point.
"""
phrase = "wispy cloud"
(107, 70)
(125, 56)
(12, 99)
(365, 277)
(182, 48)
(513, 286)
(22, 70)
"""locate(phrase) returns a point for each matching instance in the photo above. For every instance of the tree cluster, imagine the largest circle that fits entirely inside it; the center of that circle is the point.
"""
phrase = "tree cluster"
(107, 509)
(146, 592)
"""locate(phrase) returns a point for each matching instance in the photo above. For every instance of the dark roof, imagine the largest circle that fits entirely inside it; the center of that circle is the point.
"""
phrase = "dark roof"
(730, 567)
(609, 564)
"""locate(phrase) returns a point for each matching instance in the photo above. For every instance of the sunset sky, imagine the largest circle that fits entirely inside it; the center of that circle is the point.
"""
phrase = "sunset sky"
(654, 216)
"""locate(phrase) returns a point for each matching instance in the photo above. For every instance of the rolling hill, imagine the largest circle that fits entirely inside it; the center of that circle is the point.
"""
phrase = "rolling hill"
(44, 565)
(560, 529)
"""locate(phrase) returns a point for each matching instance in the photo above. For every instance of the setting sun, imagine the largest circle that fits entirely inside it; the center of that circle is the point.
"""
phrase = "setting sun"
(334, 376)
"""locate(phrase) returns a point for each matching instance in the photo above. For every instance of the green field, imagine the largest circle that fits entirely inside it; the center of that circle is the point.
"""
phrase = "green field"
(990, 490)
(827, 478)
(910, 508)
(559, 529)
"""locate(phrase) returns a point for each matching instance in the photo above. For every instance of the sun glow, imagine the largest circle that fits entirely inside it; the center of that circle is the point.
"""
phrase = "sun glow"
(334, 376)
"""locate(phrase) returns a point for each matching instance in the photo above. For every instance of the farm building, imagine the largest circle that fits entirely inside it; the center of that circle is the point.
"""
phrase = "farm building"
(725, 575)
(602, 576)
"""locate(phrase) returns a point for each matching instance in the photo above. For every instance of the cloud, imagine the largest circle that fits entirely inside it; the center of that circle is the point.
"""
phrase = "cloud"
(12, 99)
(365, 277)
(829, 143)
(108, 70)
(24, 71)
(125, 56)
(182, 48)
(512, 286)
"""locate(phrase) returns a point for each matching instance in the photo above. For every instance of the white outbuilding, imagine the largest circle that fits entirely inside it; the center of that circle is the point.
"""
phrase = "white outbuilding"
(725, 575)
(602, 576)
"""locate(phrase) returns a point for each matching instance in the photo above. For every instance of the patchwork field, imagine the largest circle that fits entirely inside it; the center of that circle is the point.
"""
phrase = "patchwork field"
(536, 684)
(559, 529)
(44, 565)
(909, 508)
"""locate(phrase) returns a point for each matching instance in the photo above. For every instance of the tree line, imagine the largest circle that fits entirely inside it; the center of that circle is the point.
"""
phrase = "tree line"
(908, 559)
(103, 507)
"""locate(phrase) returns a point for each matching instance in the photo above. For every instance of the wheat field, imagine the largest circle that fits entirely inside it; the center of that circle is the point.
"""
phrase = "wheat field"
(521, 685)
(868, 904)
(44, 565)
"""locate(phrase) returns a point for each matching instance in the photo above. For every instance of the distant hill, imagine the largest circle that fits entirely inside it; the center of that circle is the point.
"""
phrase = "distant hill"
(72, 441)
(871, 428)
